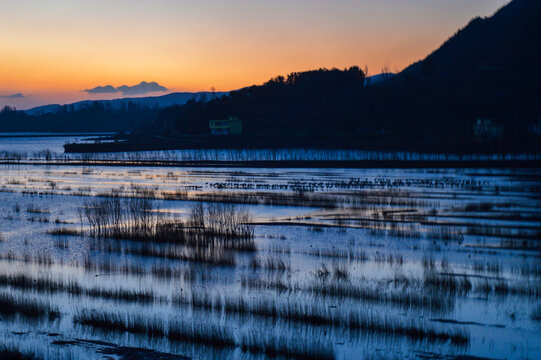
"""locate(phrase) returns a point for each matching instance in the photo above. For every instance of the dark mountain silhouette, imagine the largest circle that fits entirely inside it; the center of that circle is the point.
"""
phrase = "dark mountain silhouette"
(506, 42)
(302, 104)
(488, 71)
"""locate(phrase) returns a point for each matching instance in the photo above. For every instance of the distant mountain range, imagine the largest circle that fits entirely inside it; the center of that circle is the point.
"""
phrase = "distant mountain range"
(157, 102)
(149, 102)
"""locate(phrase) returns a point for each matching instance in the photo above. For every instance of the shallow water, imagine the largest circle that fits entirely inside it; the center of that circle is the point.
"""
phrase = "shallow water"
(388, 230)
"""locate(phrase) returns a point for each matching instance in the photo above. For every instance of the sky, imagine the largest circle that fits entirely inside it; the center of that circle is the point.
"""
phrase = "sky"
(61, 51)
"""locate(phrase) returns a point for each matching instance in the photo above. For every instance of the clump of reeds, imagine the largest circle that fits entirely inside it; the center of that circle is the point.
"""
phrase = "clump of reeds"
(322, 272)
(120, 322)
(489, 267)
(339, 271)
(23, 281)
(259, 284)
(10, 305)
(176, 329)
(263, 342)
(457, 284)
(395, 259)
(33, 209)
(349, 254)
(536, 313)
(271, 263)
(527, 269)
(61, 243)
(41, 219)
(309, 312)
(213, 256)
(217, 225)
(445, 233)
(227, 220)
(204, 333)
(479, 207)
(64, 232)
(429, 263)
(207, 333)
(404, 297)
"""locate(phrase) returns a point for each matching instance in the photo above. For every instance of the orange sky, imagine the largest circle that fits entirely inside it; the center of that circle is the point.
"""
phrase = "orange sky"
(54, 49)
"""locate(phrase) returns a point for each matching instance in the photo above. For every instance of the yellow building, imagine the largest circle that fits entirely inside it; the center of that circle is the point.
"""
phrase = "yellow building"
(231, 126)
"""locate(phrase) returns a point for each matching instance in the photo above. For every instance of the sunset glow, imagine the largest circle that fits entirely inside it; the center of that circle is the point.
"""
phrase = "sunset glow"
(53, 50)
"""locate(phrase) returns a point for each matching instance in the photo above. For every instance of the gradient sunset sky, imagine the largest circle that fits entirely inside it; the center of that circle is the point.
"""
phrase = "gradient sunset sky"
(54, 49)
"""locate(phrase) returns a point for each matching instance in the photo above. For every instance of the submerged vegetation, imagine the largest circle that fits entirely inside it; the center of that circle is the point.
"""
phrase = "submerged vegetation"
(12, 305)
(224, 225)
(350, 262)
(311, 312)
(205, 333)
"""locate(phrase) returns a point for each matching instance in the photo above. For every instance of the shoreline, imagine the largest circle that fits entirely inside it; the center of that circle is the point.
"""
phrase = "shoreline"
(300, 164)
(37, 134)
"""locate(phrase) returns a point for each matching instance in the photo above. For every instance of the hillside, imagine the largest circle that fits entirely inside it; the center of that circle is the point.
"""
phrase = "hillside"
(505, 43)
(116, 115)
(488, 70)
(148, 102)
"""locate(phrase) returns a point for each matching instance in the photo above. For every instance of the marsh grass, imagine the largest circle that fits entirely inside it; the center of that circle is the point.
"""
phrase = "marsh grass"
(208, 333)
(513, 237)
(111, 321)
(43, 259)
(273, 346)
(13, 354)
(176, 329)
(11, 305)
(23, 281)
(211, 256)
(64, 232)
(447, 233)
(434, 281)
(338, 271)
(277, 285)
(300, 194)
(216, 225)
(310, 312)
(270, 263)
(33, 209)
(536, 313)
(204, 333)
(41, 219)
(527, 269)
(403, 297)
(487, 267)
(348, 254)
